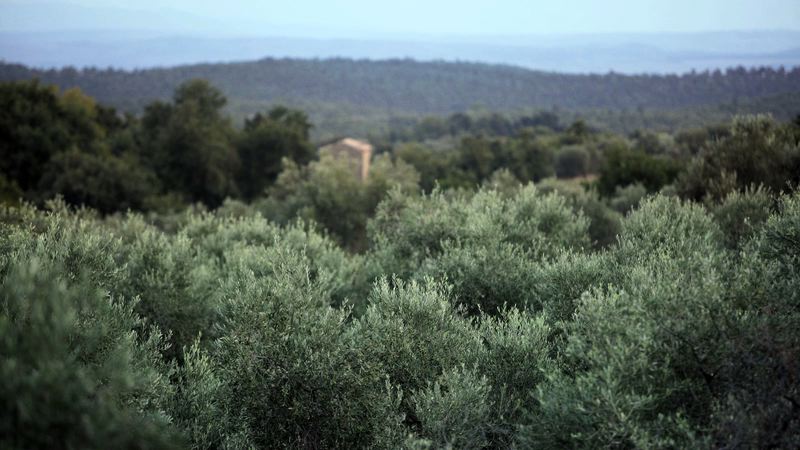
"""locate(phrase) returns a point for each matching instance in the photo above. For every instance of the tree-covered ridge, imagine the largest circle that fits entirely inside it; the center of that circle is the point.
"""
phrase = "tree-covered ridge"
(407, 86)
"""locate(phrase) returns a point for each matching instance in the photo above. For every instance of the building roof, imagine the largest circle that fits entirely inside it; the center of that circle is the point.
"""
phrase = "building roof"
(361, 146)
(354, 144)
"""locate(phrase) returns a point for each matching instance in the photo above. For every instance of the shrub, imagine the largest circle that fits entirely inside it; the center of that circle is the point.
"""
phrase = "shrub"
(406, 229)
(572, 161)
(173, 280)
(224, 330)
(76, 373)
(414, 333)
(70, 239)
(667, 225)
(624, 167)
(628, 197)
(758, 406)
(604, 223)
(757, 151)
(639, 362)
(484, 278)
(290, 374)
(218, 236)
(518, 353)
(561, 283)
(455, 410)
(327, 192)
(484, 244)
(741, 214)
(642, 360)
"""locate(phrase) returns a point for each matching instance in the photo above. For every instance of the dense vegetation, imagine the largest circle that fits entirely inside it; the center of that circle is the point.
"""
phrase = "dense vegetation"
(479, 320)
(187, 151)
(360, 96)
(497, 283)
(181, 151)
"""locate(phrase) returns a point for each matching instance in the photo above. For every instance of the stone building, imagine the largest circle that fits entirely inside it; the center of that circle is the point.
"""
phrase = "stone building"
(359, 151)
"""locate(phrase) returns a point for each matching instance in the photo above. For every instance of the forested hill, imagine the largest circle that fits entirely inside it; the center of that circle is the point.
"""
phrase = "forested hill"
(407, 86)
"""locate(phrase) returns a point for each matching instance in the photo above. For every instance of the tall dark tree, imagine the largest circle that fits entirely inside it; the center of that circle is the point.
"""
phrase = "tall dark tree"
(190, 144)
(532, 160)
(267, 139)
(34, 126)
(106, 183)
(572, 161)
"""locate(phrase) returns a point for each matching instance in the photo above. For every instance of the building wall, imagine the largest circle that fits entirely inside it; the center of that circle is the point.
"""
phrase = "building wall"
(359, 152)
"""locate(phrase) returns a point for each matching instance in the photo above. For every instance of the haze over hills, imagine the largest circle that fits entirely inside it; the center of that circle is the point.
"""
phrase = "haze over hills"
(88, 33)
(587, 53)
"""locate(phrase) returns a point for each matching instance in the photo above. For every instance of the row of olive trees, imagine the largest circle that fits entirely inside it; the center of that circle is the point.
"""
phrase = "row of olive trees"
(471, 320)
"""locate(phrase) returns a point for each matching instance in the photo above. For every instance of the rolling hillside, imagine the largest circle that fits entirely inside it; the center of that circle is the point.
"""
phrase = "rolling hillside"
(420, 87)
(360, 96)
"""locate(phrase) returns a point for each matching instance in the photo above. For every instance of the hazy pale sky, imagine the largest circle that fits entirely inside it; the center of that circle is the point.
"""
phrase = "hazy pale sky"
(441, 17)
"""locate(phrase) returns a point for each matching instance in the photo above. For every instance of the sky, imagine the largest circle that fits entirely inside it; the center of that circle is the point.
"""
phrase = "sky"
(403, 17)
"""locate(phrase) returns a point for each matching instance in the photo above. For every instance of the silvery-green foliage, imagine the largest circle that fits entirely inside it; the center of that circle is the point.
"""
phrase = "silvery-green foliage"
(670, 226)
(560, 283)
(76, 370)
(628, 197)
(484, 244)
(604, 222)
(742, 213)
(759, 405)
(415, 333)
(292, 374)
(518, 353)
(485, 278)
(66, 238)
(640, 359)
(216, 235)
(455, 411)
(504, 332)
(173, 279)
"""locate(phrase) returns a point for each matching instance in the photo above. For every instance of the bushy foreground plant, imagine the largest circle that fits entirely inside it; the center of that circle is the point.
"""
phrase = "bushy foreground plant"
(80, 369)
(604, 222)
(499, 330)
(742, 213)
(760, 408)
(674, 354)
(485, 244)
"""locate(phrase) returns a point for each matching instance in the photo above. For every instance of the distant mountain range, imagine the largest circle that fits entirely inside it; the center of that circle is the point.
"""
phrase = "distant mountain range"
(46, 33)
(600, 53)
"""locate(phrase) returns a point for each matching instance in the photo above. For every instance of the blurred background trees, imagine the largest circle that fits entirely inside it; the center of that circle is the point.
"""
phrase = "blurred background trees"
(182, 151)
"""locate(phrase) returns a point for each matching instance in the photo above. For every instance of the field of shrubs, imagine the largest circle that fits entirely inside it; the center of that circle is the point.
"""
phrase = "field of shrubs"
(487, 319)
